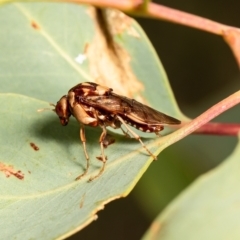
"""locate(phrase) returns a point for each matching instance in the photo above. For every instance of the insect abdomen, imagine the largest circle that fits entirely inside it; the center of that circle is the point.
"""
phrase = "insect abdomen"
(145, 127)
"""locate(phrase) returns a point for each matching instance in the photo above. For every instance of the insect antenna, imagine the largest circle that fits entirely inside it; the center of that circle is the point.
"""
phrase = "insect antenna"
(47, 109)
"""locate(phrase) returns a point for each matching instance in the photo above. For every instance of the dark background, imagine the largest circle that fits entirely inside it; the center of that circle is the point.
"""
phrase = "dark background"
(201, 71)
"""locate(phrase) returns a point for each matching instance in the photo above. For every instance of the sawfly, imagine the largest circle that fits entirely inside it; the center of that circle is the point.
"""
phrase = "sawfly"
(98, 106)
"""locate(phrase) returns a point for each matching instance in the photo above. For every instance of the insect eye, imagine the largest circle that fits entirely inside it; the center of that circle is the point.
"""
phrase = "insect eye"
(59, 109)
(62, 110)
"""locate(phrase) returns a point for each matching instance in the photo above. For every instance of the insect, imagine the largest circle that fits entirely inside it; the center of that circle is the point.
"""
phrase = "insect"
(98, 106)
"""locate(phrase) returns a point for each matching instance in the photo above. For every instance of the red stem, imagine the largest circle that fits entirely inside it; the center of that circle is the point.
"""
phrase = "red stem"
(230, 34)
(122, 5)
(201, 120)
(187, 19)
(224, 129)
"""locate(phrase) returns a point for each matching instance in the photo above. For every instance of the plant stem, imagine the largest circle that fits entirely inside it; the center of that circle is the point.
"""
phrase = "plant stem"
(222, 129)
(146, 8)
(200, 121)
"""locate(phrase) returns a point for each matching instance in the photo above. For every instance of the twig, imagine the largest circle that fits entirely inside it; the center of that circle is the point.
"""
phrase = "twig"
(201, 120)
(230, 34)
(221, 129)
(152, 10)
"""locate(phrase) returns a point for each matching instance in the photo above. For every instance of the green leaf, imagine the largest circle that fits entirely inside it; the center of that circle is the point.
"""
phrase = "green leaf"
(39, 43)
(48, 195)
(39, 61)
(208, 209)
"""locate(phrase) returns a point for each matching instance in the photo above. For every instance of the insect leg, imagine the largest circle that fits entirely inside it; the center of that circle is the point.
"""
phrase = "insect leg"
(158, 134)
(125, 133)
(108, 140)
(83, 139)
(136, 136)
(103, 158)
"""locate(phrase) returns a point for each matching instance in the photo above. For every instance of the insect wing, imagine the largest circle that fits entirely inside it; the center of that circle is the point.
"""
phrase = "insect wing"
(146, 115)
(151, 116)
(129, 108)
(110, 104)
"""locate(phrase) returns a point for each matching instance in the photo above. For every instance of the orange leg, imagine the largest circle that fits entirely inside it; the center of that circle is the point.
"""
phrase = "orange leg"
(125, 133)
(103, 158)
(136, 137)
(83, 139)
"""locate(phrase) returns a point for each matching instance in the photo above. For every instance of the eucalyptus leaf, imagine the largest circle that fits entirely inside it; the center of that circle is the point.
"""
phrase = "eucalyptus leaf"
(40, 159)
(40, 42)
(48, 195)
(208, 209)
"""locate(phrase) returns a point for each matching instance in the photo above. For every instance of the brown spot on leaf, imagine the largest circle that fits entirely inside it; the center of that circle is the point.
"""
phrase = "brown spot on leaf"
(109, 62)
(34, 146)
(35, 25)
(8, 170)
(82, 200)
(121, 23)
(18, 175)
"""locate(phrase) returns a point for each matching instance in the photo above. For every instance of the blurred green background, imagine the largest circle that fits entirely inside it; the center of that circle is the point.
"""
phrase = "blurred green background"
(201, 71)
